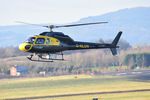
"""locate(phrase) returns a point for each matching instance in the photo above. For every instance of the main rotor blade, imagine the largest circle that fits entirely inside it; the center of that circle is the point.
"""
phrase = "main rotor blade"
(47, 26)
(30, 24)
(72, 25)
(59, 26)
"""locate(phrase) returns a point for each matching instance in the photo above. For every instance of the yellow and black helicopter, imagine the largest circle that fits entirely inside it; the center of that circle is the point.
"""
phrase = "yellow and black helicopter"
(47, 46)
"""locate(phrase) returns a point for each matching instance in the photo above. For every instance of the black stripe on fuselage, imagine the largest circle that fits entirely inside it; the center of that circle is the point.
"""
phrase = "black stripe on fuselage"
(64, 47)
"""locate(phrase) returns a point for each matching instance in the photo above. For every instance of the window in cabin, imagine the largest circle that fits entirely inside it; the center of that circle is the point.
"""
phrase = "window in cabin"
(47, 41)
(31, 40)
(40, 41)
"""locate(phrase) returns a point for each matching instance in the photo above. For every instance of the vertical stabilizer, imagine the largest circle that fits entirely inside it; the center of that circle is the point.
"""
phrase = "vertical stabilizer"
(114, 43)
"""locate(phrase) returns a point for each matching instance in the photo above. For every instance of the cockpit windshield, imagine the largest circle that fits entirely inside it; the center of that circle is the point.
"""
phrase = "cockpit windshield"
(31, 40)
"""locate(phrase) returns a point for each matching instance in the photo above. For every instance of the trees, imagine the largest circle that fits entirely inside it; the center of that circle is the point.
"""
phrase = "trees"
(10, 52)
(137, 59)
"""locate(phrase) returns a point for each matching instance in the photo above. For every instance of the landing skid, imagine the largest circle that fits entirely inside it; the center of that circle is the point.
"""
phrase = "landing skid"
(48, 58)
(41, 60)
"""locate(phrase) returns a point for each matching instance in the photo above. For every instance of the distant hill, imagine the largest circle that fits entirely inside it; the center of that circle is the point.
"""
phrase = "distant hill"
(134, 22)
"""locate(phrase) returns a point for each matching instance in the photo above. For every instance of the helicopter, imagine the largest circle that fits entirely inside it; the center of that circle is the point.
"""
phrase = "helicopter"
(47, 46)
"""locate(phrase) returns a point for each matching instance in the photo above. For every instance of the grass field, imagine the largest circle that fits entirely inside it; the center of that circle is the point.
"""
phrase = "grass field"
(28, 87)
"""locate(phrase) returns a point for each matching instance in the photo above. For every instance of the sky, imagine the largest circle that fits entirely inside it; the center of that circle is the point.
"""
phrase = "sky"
(60, 11)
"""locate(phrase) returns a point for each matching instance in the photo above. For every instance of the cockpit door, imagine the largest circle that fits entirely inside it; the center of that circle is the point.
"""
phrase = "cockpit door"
(47, 42)
(40, 41)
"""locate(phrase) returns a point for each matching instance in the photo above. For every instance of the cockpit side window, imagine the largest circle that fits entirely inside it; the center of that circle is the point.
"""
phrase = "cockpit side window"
(47, 41)
(31, 40)
(40, 41)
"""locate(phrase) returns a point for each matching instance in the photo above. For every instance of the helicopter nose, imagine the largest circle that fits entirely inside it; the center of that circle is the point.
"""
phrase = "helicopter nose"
(24, 47)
